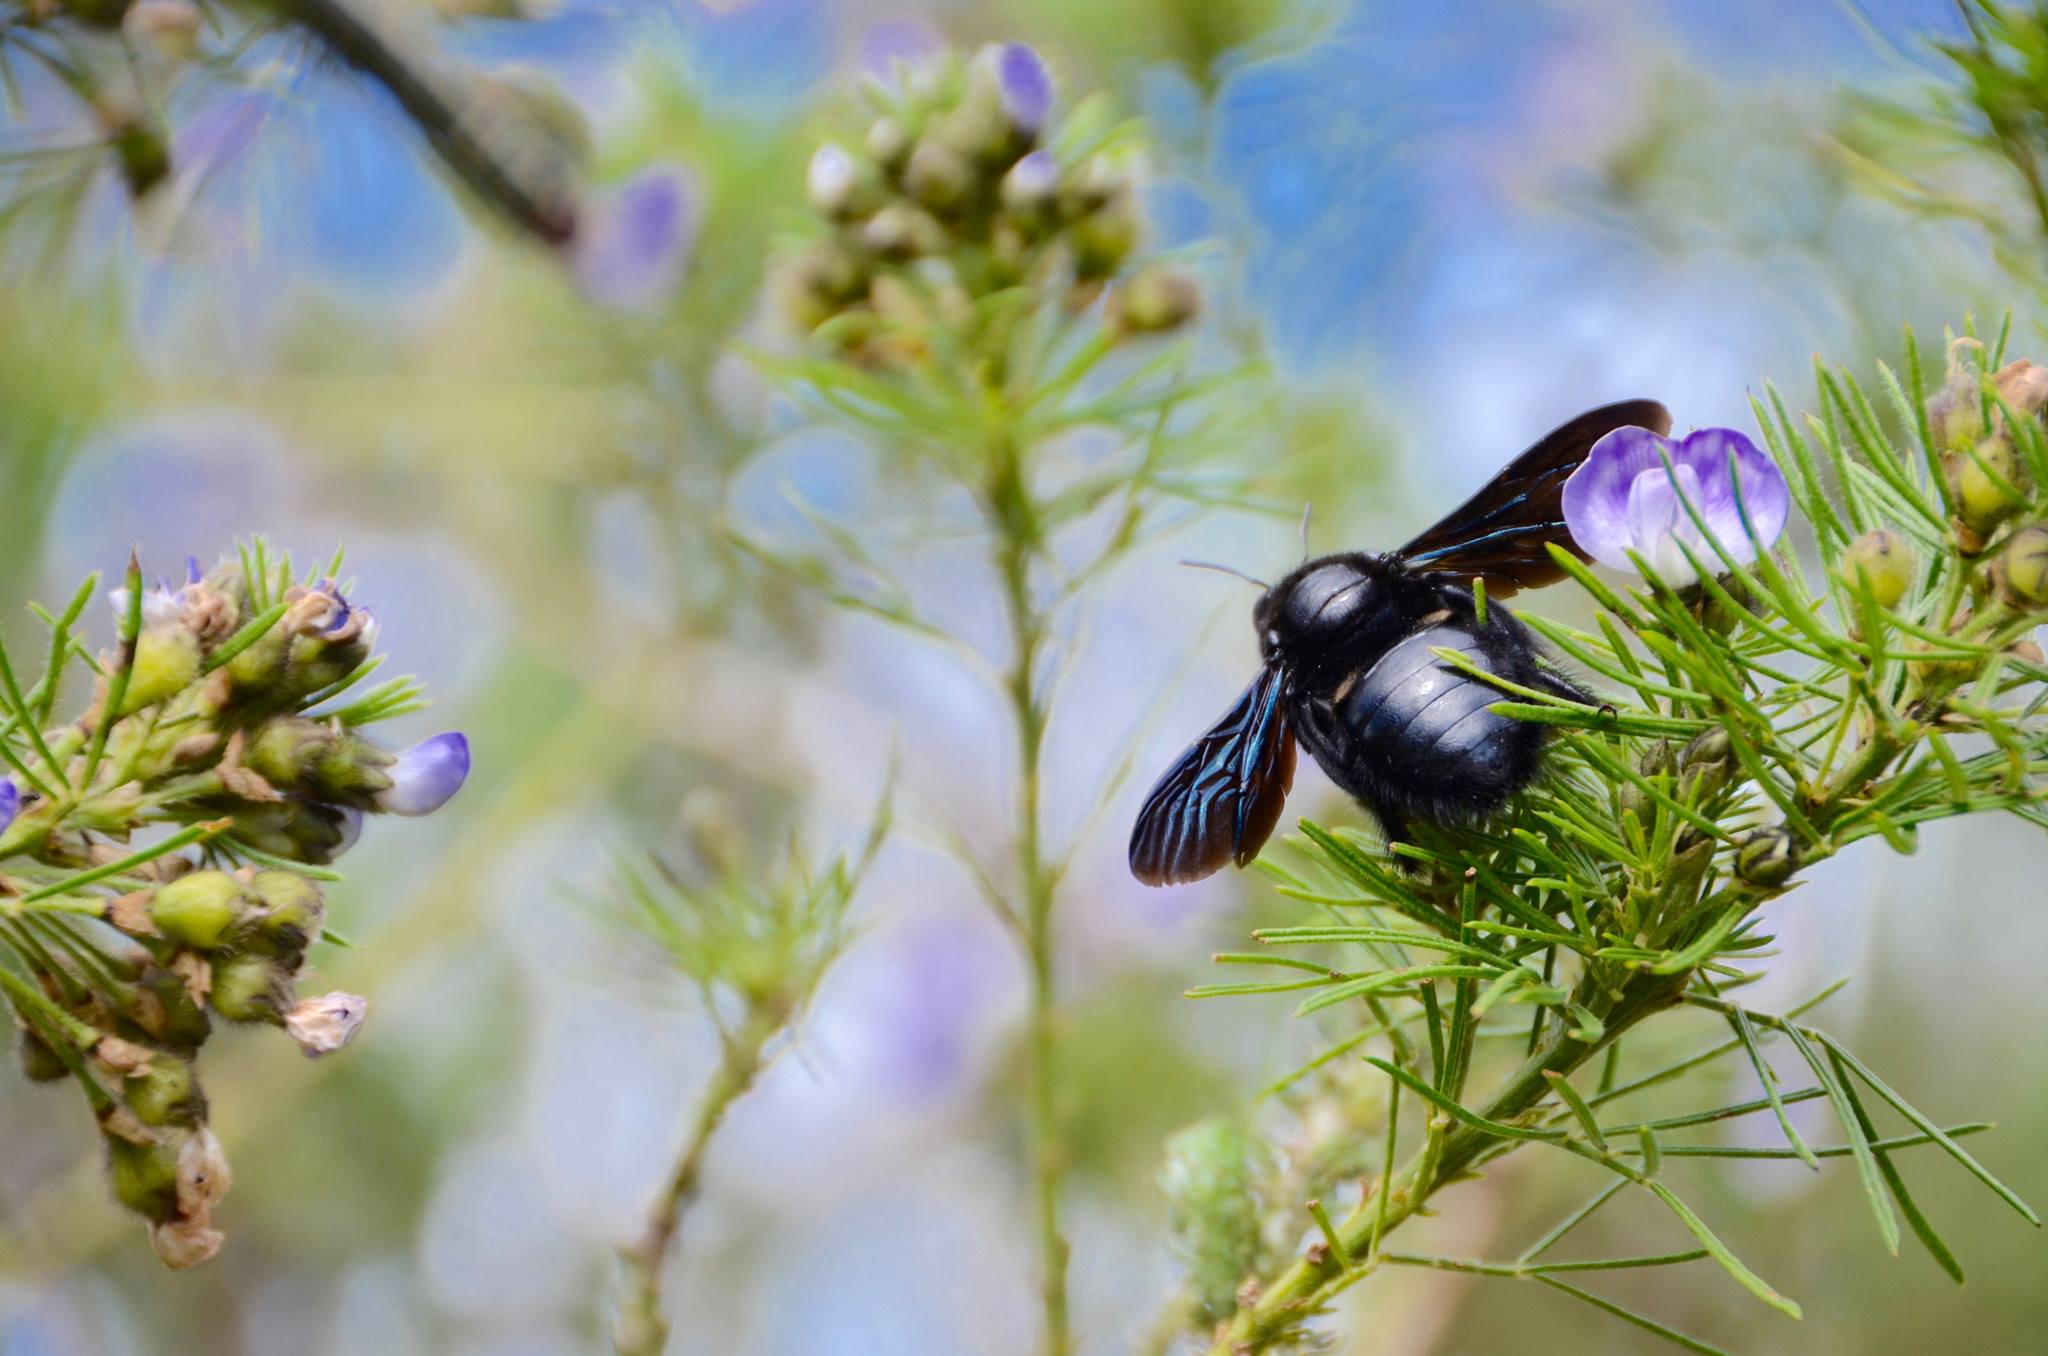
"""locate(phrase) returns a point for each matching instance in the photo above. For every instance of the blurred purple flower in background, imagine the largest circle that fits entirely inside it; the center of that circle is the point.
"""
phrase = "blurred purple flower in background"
(634, 240)
(427, 775)
(905, 41)
(10, 802)
(1626, 499)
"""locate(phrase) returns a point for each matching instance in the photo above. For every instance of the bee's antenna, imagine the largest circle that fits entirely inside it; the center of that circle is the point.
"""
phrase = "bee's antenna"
(1225, 569)
(1306, 510)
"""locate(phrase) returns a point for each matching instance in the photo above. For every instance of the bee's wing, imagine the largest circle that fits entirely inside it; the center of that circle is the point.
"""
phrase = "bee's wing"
(1219, 802)
(1500, 533)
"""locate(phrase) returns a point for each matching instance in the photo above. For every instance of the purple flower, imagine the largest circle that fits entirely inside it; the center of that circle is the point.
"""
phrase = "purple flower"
(10, 802)
(426, 775)
(631, 243)
(1022, 84)
(896, 43)
(1631, 494)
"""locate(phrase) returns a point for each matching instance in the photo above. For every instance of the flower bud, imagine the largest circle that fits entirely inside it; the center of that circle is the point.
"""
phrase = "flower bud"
(145, 1176)
(1031, 189)
(184, 1243)
(2023, 386)
(1213, 1210)
(170, 28)
(1882, 562)
(1103, 239)
(1156, 300)
(200, 910)
(166, 1008)
(252, 989)
(889, 142)
(259, 669)
(1980, 482)
(838, 186)
(899, 232)
(426, 776)
(937, 176)
(164, 1092)
(1766, 857)
(1013, 78)
(2021, 571)
(167, 661)
(204, 1176)
(39, 1061)
(292, 913)
(1953, 412)
(325, 1024)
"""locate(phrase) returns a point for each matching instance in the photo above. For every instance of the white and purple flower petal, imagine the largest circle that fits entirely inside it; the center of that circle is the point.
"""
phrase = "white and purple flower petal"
(10, 802)
(632, 243)
(426, 775)
(1023, 85)
(325, 1024)
(1630, 497)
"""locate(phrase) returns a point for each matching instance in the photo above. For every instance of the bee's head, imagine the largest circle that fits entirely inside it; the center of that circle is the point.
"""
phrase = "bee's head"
(1318, 603)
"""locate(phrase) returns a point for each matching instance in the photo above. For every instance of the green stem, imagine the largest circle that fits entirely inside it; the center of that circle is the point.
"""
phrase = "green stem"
(641, 1328)
(1016, 546)
(1303, 1288)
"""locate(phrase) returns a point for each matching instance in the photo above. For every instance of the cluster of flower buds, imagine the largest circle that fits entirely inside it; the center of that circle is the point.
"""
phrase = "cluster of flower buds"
(222, 711)
(957, 196)
(1987, 478)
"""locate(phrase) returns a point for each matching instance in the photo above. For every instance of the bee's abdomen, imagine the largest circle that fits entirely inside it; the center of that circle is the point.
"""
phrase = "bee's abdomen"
(1424, 727)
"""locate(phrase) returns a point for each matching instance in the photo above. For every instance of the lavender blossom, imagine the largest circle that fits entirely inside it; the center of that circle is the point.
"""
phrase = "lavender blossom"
(426, 775)
(1630, 498)
(1023, 85)
(631, 245)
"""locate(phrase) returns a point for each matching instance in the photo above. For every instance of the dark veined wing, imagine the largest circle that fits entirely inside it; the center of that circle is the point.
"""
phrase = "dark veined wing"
(1220, 801)
(1500, 534)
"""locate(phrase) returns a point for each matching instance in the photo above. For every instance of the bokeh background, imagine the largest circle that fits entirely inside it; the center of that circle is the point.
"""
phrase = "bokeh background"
(1451, 226)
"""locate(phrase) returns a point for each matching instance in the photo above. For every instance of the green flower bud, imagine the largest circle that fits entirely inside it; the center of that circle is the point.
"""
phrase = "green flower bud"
(1156, 300)
(39, 1061)
(1982, 501)
(1213, 1211)
(899, 232)
(293, 753)
(937, 176)
(1766, 857)
(258, 670)
(170, 28)
(167, 661)
(164, 1092)
(890, 141)
(840, 186)
(291, 915)
(145, 1176)
(166, 1012)
(201, 909)
(1103, 239)
(2021, 571)
(1882, 562)
(252, 988)
(818, 283)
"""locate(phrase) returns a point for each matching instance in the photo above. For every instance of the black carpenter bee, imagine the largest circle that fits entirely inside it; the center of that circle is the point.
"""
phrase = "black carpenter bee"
(1347, 645)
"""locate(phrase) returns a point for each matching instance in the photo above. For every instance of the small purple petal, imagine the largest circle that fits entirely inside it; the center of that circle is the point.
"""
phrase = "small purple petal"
(427, 775)
(1023, 84)
(10, 803)
(897, 42)
(831, 178)
(631, 244)
(193, 574)
(1032, 181)
(1623, 499)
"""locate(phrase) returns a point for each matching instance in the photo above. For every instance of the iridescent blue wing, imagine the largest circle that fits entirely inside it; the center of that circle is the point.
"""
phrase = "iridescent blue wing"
(1501, 533)
(1220, 801)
